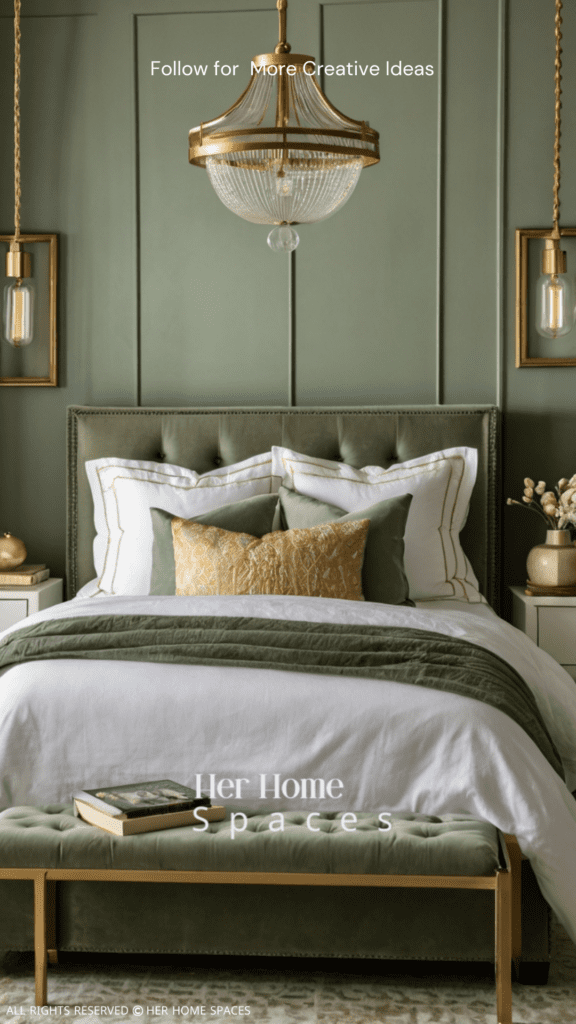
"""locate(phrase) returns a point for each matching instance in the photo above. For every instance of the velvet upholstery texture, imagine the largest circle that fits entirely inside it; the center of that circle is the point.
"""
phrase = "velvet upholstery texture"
(253, 515)
(453, 845)
(300, 921)
(383, 576)
(289, 920)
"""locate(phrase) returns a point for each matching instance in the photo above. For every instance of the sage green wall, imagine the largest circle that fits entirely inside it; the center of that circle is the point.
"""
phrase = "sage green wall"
(405, 296)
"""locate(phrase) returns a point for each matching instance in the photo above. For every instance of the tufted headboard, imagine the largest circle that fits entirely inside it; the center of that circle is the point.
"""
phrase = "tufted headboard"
(203, 438)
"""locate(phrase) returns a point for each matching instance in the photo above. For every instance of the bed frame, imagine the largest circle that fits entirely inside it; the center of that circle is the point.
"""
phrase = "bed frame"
(115, 919)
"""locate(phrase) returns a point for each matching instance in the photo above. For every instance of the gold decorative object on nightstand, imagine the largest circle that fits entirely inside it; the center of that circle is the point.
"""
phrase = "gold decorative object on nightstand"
(12, 552)
(552, 565)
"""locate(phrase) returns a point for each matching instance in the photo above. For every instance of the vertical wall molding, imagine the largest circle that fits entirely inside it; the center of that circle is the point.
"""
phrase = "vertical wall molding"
(501, 126)
(292, 328)
(138, 267)
(440, 206)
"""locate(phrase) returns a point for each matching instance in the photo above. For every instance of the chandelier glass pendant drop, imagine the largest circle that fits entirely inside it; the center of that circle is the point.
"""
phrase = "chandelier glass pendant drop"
(19, 293)
(555, 293)
(282, 154)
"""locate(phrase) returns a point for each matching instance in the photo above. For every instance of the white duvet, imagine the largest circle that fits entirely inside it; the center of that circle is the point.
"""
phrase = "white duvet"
(70, 724)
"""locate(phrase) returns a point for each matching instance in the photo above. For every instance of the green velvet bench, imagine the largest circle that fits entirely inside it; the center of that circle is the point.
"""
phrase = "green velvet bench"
(49, 845)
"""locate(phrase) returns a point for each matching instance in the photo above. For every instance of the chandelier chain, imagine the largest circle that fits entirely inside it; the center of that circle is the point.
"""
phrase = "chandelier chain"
(17, 187)
(557, 118)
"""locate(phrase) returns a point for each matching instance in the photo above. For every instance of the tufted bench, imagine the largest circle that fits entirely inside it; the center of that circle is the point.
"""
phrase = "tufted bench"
(49, 844)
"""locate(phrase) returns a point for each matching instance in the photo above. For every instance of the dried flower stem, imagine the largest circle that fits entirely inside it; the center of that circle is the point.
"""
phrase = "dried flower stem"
(535, 507)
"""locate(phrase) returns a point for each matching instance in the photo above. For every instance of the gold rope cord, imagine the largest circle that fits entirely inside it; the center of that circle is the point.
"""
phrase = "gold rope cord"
(557, 109)
(17, 188)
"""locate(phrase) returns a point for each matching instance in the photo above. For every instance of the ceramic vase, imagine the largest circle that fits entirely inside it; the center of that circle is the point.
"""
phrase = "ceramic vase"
(553, 564)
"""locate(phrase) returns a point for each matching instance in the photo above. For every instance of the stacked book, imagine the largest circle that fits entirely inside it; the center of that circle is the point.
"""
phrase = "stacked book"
(24, 576)
(144, 807)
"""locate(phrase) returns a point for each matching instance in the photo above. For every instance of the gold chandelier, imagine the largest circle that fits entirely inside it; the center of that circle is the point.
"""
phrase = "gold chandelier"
(19, 294)
(555, 295)
(282, 154)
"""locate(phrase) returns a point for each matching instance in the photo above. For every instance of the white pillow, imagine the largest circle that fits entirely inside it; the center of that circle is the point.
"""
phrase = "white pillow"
(124, 491)
(441, 485)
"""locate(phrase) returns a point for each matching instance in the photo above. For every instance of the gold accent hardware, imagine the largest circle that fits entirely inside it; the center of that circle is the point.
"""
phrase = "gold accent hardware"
(282, 46)
(553, 258)
(18, 262)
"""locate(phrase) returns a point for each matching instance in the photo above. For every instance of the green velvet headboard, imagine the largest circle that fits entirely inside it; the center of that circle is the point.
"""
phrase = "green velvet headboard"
(203, 438)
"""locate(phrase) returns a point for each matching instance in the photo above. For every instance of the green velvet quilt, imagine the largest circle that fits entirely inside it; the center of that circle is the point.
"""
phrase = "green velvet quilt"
(392, 653)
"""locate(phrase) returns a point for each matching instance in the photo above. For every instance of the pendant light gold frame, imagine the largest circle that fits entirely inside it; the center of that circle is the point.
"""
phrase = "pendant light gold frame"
(51, 340)
(523, 238)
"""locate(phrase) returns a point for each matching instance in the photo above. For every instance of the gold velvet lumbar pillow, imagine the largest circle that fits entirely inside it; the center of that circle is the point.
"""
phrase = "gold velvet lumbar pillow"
(321, 561)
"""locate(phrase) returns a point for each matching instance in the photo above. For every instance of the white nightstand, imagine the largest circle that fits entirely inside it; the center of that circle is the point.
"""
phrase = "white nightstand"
(17, 603)
(550, 622)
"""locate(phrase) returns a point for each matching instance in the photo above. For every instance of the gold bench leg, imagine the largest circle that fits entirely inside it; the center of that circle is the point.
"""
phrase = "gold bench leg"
(40, 894)
(503, 899)
(515, 855)
(51, 923)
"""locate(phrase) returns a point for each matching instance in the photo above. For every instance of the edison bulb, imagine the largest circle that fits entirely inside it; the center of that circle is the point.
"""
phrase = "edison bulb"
(554, 305)
(19, 312)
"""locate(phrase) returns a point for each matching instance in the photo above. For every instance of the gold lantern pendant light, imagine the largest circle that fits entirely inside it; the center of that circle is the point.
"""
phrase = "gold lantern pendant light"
(555, 294)
(282, 154)
(19, 293)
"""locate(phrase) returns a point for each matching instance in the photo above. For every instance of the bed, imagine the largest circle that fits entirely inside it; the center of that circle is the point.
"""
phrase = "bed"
(64, 723)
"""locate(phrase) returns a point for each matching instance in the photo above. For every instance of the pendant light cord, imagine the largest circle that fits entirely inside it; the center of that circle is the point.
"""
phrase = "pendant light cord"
(17, 187)
(557, 109)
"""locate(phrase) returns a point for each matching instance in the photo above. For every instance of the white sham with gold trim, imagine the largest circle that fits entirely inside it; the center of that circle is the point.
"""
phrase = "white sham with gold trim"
(441, 485)
(124, 491)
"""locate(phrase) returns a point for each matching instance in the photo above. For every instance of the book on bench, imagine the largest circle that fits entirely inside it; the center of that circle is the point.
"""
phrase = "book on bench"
(144, 807)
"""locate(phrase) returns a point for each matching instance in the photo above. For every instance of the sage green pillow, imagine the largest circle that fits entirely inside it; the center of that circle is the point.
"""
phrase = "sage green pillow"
(383, 576)
(253, 515)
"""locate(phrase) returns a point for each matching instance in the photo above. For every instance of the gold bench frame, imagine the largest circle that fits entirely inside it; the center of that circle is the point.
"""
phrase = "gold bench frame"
(505, 883)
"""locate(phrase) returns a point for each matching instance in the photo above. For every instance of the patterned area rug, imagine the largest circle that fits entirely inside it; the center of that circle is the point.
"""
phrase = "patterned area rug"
(89, 990)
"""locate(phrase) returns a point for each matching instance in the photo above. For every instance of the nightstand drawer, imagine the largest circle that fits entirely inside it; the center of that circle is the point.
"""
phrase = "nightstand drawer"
(17, 603)
(12, 612)
(557, 633)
